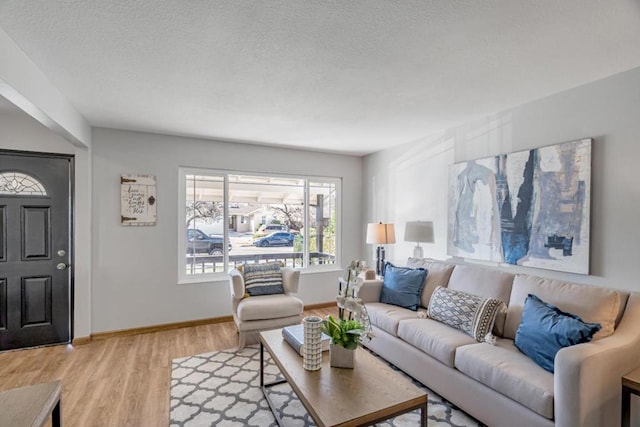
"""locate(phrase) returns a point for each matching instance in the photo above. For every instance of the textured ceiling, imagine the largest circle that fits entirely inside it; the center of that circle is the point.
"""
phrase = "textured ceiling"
(350, 76)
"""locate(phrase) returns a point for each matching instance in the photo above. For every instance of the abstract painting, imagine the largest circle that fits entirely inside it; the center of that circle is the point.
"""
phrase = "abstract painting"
(529, 208)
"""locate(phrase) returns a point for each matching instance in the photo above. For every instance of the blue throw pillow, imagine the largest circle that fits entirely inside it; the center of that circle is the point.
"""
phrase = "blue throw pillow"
(545, 329)
(402, 286)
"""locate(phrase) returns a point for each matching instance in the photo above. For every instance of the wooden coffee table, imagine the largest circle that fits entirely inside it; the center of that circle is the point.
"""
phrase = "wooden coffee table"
(369, 393)
(31, 406)
(630, 385)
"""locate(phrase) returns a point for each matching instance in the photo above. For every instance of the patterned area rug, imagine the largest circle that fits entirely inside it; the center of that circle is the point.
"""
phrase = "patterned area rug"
(222, 389)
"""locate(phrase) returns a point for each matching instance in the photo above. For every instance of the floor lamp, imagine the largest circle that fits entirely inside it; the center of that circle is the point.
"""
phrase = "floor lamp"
(419, 231)
(380, 234)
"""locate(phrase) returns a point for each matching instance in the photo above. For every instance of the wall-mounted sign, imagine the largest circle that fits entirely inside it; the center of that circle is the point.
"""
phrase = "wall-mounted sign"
(138, 200)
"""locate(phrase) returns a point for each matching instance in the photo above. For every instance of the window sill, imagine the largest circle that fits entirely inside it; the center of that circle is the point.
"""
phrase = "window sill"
(316, 270)
(224, 277)
(210, 278)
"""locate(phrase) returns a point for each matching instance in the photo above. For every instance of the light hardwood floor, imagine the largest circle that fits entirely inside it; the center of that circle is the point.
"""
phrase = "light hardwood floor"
(118, 381)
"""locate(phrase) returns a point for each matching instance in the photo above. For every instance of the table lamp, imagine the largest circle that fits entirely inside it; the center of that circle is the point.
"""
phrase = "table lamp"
(418, 231)
(380, 234)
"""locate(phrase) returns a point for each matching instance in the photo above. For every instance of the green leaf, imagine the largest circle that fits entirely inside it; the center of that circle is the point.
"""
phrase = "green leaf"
(343, 332)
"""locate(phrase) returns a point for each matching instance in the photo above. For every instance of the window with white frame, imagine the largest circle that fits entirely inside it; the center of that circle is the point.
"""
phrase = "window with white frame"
(227, 219)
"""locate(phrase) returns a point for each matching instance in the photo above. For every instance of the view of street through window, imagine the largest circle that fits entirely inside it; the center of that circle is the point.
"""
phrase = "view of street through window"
(268, 219)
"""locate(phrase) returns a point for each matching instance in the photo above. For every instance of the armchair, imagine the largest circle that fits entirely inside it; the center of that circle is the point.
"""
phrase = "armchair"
(260, 313)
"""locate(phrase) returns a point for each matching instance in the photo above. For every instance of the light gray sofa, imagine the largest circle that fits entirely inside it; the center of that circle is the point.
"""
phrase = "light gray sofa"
(497, 384)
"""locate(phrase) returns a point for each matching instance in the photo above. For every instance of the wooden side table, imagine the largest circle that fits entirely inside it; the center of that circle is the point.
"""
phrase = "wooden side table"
(31, 406)
(630, 384)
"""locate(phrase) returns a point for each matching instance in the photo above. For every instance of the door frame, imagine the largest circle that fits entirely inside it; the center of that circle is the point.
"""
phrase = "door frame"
(72, 222)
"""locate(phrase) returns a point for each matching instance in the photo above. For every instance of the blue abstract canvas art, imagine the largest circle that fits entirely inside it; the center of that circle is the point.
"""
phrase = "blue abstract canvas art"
(529, 208)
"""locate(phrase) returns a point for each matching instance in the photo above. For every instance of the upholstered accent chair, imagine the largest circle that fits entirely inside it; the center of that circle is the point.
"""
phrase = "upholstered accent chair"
(253, 314)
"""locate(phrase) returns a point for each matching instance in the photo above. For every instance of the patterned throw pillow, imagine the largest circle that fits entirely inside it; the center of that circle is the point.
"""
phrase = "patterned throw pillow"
(263, 279)
(469, 313)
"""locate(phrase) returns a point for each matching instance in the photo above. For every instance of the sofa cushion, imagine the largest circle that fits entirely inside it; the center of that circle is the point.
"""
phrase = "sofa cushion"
(486, 283)
(590, 303)
(469, 313)
(402, 286)
(504, 369)
(263, 279)
(439, 273)
(434, 338)
(481, 281)
(387, 317)
(269, 307)
(545, 330)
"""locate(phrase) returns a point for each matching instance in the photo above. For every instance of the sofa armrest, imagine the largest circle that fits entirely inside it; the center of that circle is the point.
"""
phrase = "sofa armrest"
(236, 282)
(290, 280)
(370, 291)
(587, 379)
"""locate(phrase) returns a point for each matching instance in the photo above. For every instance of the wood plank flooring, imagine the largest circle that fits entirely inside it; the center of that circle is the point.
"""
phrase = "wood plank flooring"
(118, 381)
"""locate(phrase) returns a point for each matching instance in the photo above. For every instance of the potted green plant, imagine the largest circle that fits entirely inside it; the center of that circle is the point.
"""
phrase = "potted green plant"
(345, 333)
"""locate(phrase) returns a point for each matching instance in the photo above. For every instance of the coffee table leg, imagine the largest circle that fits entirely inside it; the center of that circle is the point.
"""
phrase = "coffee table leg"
(261, 365)
(626, 407)
(264, 387)
(56, 415)
(423, 415)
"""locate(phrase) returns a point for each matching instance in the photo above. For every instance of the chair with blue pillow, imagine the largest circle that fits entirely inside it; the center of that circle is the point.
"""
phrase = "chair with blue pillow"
(262, 299)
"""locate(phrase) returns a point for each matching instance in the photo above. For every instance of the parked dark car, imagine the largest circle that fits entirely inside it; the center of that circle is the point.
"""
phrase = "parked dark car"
(199, 241)
(275, 239)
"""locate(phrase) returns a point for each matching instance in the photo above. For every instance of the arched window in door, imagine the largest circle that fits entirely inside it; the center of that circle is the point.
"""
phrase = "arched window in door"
(17, 183)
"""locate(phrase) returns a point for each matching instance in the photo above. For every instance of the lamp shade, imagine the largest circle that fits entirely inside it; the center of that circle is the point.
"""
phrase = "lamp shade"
(419, 231)
(380, 234)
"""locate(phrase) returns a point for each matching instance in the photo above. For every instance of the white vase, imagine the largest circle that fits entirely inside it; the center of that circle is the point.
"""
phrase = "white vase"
(312, 349)
(341, 357)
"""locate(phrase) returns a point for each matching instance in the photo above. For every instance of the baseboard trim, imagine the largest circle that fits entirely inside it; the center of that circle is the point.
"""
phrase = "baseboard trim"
(81, 341)
(177, 325)
(320, 305)
(158, 328)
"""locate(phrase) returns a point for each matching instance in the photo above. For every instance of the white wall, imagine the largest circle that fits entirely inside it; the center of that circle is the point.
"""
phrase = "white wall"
(135, 269)
(410, 182)
(20, 132)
